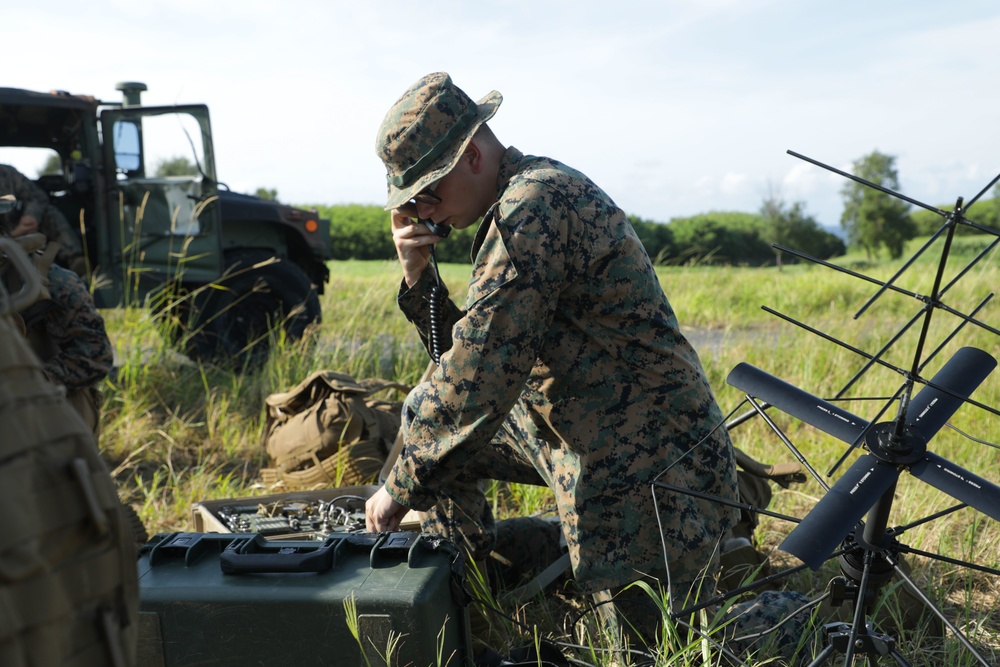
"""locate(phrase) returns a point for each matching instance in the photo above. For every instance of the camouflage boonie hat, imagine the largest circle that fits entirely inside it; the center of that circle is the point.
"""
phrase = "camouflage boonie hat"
(426, 131)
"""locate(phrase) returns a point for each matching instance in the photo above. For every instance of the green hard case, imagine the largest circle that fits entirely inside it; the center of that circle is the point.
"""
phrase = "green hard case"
(240, 599)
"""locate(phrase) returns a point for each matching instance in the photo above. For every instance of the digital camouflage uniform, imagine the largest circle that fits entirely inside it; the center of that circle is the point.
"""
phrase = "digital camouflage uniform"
(568, 369)
(68, 335)
(51, 222)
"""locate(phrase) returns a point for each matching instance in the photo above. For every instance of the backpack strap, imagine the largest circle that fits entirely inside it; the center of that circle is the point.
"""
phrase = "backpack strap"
(41, 255)
(46, 256)
(21, 284)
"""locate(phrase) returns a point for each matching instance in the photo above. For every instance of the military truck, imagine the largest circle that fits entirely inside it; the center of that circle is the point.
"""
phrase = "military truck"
(227, 271)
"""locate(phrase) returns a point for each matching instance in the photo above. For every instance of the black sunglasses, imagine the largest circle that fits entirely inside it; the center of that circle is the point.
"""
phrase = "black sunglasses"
(427, 196)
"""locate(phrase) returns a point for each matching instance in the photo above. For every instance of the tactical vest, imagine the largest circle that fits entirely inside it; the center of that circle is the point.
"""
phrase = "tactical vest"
(329, 431)
(68, 580)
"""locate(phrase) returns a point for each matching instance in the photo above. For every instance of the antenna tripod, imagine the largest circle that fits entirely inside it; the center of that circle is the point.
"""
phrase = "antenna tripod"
(869, 553)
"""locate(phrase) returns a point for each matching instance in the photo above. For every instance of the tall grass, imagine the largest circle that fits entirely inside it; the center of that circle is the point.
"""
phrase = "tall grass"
(175, 432)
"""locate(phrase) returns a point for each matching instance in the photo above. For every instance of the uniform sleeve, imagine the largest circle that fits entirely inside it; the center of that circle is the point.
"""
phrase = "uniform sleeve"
(415, 303)
(85, 356)
(513, 292)
(33, 199)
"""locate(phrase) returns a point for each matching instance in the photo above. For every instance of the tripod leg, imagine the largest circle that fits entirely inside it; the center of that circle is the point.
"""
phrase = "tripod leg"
(948, 624)
(900, 660)
(821, 658)
(859, 611)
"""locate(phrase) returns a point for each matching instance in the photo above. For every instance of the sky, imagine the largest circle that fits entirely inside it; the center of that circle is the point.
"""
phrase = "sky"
(674, 108)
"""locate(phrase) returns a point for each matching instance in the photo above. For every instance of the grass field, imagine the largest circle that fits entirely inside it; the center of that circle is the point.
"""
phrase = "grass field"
(176, 433)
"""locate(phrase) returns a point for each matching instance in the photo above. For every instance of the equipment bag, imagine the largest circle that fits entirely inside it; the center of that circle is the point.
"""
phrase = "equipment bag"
(329, 431)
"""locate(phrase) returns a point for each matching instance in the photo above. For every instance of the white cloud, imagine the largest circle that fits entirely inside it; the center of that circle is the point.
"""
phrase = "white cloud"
(735, 184)
(674, 107)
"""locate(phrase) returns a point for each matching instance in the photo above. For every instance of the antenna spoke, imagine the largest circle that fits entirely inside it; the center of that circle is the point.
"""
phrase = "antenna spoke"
(825, 416)
(931, 408)
(959, 483)
(874, 186)
(983, 191)
(838, 512)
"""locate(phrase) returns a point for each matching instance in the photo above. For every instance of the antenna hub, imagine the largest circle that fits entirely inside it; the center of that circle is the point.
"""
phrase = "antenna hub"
(903, 448)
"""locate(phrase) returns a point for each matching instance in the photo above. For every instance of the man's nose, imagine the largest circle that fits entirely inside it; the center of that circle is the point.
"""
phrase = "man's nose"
(424, 210)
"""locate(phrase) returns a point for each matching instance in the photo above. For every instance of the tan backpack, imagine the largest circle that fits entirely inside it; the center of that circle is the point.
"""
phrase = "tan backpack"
(329, 431)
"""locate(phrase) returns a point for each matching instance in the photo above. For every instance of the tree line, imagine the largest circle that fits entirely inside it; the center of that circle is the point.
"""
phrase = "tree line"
(362, 231)
(873, 220)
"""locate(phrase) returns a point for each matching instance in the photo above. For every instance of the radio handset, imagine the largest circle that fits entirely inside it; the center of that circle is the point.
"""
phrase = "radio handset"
(435, 229)
(437, 334)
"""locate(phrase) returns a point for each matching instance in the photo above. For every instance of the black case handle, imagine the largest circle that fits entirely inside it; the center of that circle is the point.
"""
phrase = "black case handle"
(256, 554)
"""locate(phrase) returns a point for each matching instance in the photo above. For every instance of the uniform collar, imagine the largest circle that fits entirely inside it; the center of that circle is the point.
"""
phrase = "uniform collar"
(509, 165)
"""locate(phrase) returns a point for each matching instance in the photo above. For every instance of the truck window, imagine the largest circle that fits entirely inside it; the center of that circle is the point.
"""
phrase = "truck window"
(159, 159)
(126, 140)
(32, 162)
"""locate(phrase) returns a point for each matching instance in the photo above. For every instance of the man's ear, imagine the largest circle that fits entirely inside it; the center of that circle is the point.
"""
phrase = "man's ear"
(474, 154)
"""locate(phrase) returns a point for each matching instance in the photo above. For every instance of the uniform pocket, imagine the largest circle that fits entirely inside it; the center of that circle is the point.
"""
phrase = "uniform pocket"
(494, 266)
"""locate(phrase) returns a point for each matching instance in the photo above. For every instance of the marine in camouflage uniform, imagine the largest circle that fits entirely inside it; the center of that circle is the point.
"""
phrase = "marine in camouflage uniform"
(65, 330)
(567, 366)
(68, 335)
(38, 214)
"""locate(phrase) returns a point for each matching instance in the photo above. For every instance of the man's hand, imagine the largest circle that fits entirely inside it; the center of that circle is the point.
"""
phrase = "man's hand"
(28, 224)
(382, 513)
(411, 240)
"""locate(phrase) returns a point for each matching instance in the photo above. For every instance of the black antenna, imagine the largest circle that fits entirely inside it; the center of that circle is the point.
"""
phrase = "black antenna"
(851, 522)
(874, 186)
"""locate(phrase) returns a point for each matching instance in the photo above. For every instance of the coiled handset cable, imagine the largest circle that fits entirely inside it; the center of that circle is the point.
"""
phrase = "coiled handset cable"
(437, 294)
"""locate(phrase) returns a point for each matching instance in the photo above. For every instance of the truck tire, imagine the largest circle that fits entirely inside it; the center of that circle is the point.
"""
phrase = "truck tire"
(235, 319)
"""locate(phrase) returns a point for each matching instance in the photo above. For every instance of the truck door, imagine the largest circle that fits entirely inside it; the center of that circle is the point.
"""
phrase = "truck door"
(162, 197)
